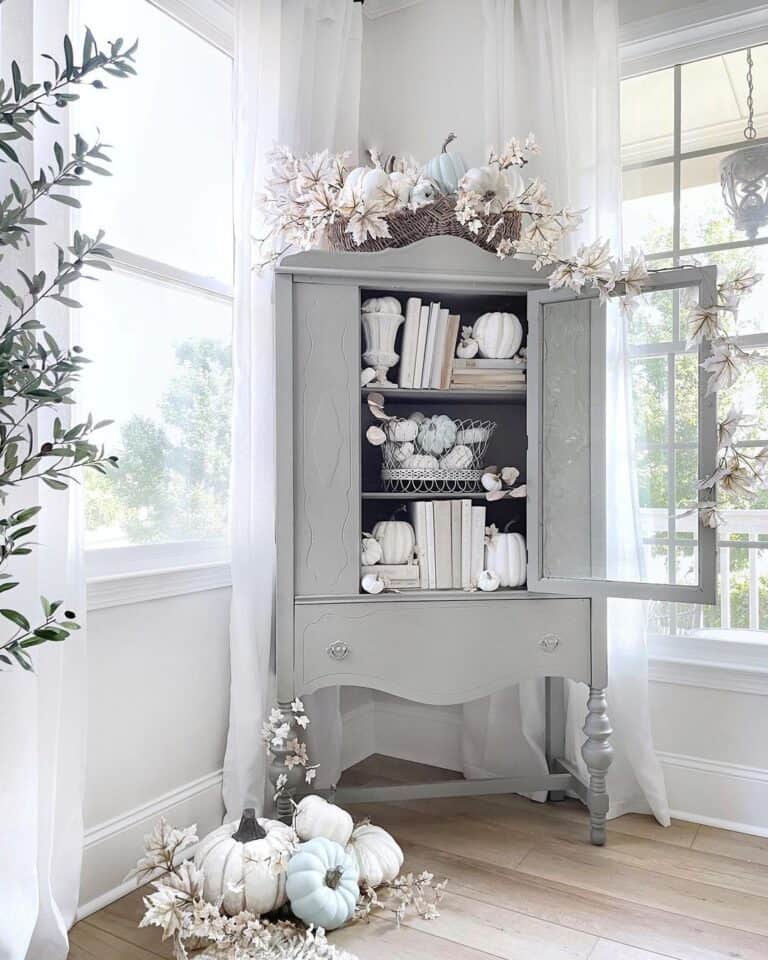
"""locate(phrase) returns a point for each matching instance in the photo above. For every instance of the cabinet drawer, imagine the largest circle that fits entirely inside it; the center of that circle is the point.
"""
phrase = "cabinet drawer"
(440, 651)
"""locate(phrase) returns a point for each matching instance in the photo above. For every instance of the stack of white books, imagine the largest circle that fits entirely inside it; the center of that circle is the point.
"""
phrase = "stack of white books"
(479, 374)
(397, 576)
(450, 543)
(427, 350)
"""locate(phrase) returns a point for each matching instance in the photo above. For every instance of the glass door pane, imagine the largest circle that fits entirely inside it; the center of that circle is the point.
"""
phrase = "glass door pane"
(618, 439)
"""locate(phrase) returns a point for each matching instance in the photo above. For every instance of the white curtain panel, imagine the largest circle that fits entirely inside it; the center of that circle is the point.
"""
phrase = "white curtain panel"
(297, 81)
(42, 715)
(551, 66)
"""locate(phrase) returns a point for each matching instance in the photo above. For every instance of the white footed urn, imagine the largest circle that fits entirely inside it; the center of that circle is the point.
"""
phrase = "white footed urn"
(381, 318)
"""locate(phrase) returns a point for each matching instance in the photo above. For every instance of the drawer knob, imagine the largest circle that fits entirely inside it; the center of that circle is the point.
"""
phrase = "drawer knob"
(338, 650)
(549, 642)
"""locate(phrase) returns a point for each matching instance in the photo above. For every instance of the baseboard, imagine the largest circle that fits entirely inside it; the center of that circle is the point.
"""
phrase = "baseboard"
(112, 848)
(726, 795)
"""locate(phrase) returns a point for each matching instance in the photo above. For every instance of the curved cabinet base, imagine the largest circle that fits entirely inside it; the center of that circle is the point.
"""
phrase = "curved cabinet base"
(440, 652)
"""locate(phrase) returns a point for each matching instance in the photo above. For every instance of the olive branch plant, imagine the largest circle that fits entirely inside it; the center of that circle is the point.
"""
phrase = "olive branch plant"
(37, 375)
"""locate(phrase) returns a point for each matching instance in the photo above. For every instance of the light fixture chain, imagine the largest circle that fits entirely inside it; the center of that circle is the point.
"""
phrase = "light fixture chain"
(749, 131)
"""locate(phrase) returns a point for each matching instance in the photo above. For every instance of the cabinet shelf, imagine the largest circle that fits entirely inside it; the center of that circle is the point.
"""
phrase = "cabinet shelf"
(506, 395)
(424, 495)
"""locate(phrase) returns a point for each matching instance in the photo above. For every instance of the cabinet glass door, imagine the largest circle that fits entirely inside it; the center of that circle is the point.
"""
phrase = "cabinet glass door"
(620, 430)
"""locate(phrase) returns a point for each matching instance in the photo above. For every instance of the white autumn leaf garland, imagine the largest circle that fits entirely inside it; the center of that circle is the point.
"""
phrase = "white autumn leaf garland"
(278, 734)
(304, 195)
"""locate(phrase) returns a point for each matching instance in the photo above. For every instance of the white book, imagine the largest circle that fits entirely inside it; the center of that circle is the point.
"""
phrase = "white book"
(429, 349)
(477, 564)
(443, 569)
(417, 514)
(441, 345)
(466, 544)
(410, 340)
(421, 343)
(480, 363)
(431, 569)
(456, 544)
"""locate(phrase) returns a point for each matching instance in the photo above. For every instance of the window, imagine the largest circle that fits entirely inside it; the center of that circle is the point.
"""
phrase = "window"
(158, 328)
(677, 124)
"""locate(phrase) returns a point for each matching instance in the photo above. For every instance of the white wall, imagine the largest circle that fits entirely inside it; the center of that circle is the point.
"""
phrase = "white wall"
(158, 692)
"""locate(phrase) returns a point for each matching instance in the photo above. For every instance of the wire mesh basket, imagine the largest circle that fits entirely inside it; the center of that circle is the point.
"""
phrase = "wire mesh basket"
(445, 456)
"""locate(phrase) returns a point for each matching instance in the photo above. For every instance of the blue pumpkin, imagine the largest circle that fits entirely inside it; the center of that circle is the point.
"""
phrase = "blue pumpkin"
(322, 883)
(446, 169)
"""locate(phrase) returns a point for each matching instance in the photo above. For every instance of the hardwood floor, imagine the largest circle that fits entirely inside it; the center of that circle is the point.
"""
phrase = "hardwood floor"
(524, 884)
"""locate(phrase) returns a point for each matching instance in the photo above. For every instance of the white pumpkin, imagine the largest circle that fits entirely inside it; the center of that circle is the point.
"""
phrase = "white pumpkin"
(472, 435)
(238, 862)
(402, 431)
(372, 583)
(488, 181)
(446, 169)
(370, 551)
(400, 451)
(376, 853)
(488, 581)
(315, 817)
(498, 335)
(424, 191)
(418, 416)
(467, 349)
(505, 555)
(382, 305)
(491, 481)
(397, 540)
(422, 461)
(401, 185)
(437, 434)
(367, 183)
(459, 458)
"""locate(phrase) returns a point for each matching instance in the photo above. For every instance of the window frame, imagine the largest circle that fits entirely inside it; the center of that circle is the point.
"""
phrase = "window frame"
(674, 646)
(134, 573)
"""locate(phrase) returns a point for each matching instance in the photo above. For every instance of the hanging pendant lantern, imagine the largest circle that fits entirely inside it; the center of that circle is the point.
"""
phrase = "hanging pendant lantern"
(744, 174)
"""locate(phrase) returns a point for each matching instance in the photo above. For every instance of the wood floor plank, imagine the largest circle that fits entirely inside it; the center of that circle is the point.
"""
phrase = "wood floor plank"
(580, 865)
(503, 932)
(121, 920)
(608, 950)
(597, 914)
(727, 843)
(379, 770)
(382, 940)
(88, 942)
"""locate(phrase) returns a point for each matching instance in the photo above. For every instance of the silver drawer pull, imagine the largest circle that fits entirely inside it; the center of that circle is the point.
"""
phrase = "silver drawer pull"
(549, 642)
(337, 650)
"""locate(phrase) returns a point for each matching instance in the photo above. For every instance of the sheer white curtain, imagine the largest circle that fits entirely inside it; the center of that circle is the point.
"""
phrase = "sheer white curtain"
(297, 81)
(42, 714)
(551, 66)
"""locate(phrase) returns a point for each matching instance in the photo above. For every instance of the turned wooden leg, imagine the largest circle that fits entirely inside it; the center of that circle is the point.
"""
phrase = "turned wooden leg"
(598, 753)
(285, 782)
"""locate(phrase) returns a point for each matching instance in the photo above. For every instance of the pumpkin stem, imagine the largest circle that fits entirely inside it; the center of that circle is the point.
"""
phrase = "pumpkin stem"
(250, 828)
(449, 139)
(333, 877)
(511, 523)
(401, 509)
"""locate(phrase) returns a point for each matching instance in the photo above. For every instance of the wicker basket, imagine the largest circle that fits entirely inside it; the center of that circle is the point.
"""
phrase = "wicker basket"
(433, 220)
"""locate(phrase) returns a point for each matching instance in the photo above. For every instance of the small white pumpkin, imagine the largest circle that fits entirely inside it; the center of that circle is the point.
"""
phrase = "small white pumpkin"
(467, 349)
(315, 817)
(488, 581)
(490, 481)
(505, 555)
(446, 169)
(402, 431)
(370, 550)
(437, 434)
(424, 191)
(322, 883)
(382, 305)
(422, 461)
(498, 335)
(459, 458)
(376, 853)
(397, 540)
(372, 583)
(472, 435)
(488, 181)
(238, 861)
(402, 185)
(418, 416)
(366, 183)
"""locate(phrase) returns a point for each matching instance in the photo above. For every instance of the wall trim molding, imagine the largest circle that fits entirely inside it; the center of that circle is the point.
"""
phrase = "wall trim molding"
(688, 33)
(711, 675)
(121, 589)
(152, 809)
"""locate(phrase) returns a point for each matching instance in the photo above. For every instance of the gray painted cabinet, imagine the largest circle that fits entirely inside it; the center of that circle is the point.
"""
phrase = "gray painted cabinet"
(453, 646)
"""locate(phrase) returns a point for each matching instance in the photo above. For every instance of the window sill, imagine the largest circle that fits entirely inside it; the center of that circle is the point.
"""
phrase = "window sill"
(735, 660)
(137, 587)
